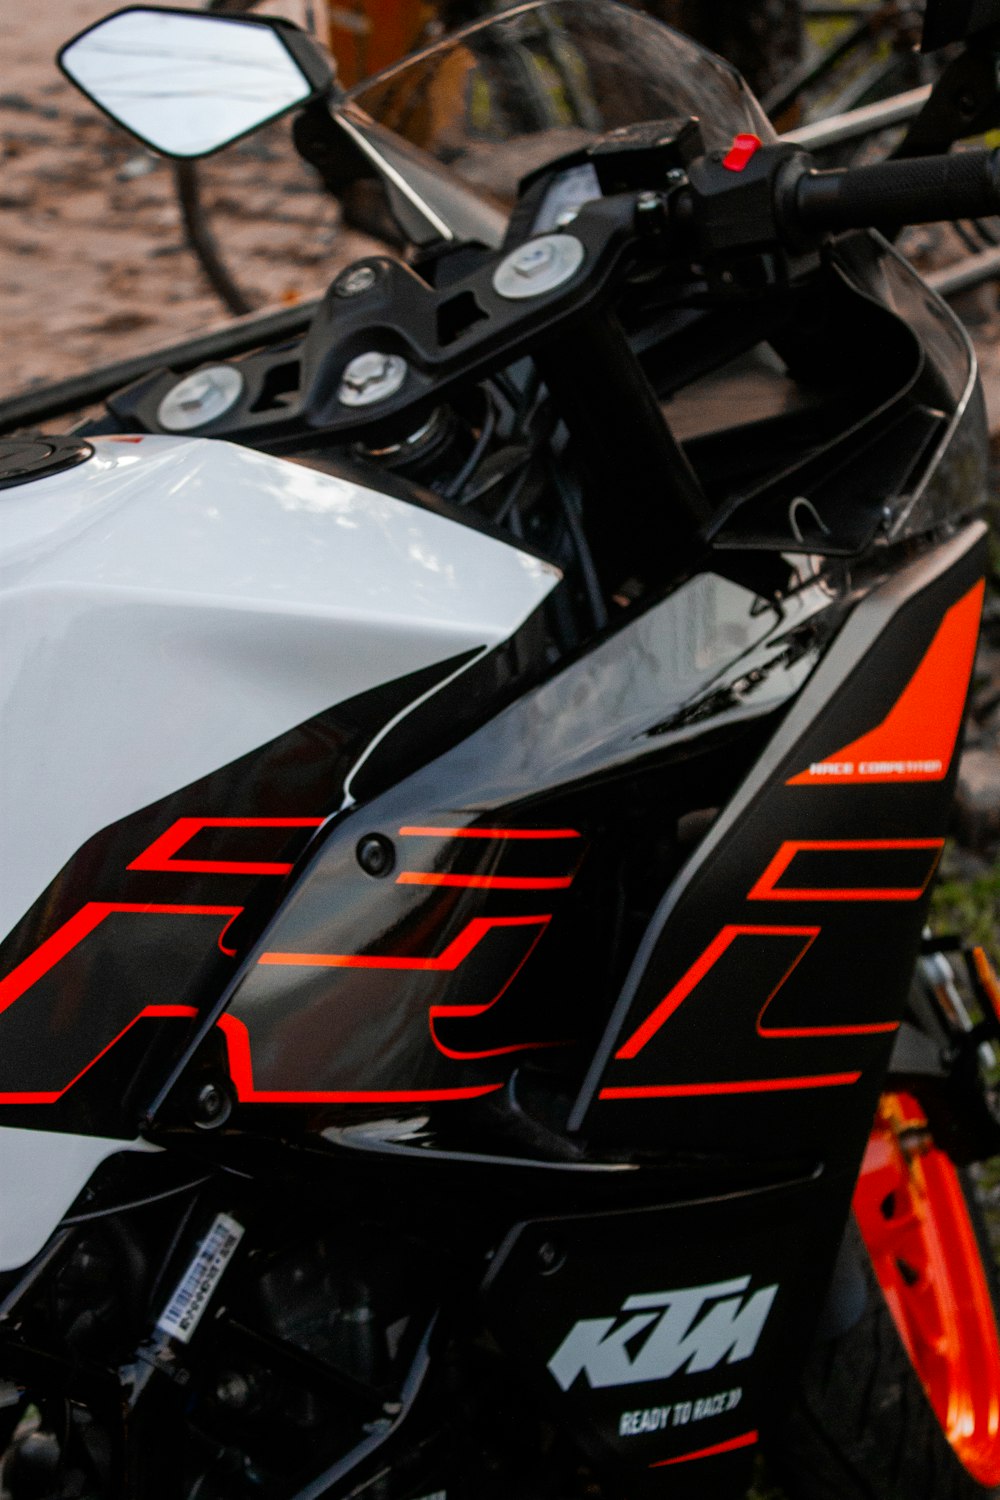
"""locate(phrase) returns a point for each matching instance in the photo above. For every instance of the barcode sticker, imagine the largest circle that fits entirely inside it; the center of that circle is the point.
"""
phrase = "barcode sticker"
(183, 1312)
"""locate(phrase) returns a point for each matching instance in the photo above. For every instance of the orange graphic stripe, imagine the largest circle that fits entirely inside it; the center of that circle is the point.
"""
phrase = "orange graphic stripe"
(738, 1086)
(745, 1440)
(159, 856)
(490, 833)
(81, 925)
(916, 739)
(51, 1097)
(241, 1072)
(487, 882)
(767, 889)
(448, 959)
(701, 966)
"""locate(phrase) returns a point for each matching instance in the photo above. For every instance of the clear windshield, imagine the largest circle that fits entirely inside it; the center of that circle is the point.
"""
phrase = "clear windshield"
(506, 96)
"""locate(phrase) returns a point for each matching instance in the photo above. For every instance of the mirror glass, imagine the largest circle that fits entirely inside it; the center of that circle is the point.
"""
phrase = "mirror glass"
(185, 84)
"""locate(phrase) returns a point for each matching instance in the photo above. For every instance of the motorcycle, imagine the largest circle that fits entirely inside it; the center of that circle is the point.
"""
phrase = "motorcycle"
(474, 775)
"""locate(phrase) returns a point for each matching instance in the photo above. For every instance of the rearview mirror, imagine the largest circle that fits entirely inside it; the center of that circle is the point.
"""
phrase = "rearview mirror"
(186, 83)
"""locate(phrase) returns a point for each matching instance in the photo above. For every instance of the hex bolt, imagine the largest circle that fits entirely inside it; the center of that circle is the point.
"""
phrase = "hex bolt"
(376, 855)
(532, 259)
(371, 377)
(355, 281)
(538, 266)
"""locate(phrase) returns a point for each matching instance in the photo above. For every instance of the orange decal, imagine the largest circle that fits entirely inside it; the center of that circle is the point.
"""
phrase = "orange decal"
(90, 916)
(241, 1072)
(487, 882)
(745, 1440)
(490, 833)
(701, 966)
(768, 889)
(916, 739)
(160, 857)
(445, 962)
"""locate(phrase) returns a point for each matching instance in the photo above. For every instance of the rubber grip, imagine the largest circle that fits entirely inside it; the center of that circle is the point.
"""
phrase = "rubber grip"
(921, 190)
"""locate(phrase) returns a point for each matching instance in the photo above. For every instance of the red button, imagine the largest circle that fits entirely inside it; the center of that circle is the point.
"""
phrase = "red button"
(740, 152)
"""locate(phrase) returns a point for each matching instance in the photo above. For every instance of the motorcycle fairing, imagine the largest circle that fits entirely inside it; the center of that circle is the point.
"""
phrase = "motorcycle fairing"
(665, 1337)
(484, 942)
(272, 592)
(145, 920)
(140, 927)
(765, 994)
(41, 1173)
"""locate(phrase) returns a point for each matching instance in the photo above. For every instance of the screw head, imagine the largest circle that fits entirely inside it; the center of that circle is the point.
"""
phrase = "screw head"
(371, 377)
(550, 1258)
(355, 281)
(212, 1106)
(200, 398)
(376, 855)
(532, 259)
(234, 1391)
(539, 266)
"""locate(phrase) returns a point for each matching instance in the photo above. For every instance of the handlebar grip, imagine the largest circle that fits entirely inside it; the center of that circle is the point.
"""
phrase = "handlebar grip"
(920, 190)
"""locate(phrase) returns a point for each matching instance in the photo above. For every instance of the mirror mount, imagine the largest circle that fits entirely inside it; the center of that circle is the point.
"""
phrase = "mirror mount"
(965, 100)
(947, 21)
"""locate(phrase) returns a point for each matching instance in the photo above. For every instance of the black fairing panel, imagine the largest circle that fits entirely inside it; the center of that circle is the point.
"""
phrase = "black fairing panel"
(665, 1336)
(763, 1000)
(525, 863)
(101, 978)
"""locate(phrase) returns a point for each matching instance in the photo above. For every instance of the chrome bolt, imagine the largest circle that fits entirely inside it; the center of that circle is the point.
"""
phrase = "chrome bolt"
(355, 280)
(200, 398)
(371, 377)
(532, 259)
(539, 266)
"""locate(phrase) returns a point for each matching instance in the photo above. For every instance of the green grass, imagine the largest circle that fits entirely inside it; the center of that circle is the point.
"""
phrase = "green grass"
(969, 907)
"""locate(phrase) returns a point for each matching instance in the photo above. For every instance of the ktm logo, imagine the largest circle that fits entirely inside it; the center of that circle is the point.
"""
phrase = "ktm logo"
(697, 1328)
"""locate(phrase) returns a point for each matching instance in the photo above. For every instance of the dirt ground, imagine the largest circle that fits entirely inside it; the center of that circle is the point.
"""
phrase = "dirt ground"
(94, 268)
(93, 265)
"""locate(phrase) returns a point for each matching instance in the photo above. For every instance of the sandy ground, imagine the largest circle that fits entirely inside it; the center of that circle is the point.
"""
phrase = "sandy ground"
(93, 265)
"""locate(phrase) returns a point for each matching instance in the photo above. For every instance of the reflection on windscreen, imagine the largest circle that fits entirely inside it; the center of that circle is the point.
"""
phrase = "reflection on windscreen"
(516, 92)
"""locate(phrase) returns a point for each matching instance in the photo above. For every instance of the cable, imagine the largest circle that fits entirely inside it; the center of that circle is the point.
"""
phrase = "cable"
(123, 1208)
(461, 479)
(591, 584)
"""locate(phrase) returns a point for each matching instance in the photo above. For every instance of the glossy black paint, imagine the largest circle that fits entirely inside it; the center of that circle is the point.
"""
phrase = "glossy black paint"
(409, 1049)
(427, 988)
(106, 941)
(552, 1273)
(839, 963)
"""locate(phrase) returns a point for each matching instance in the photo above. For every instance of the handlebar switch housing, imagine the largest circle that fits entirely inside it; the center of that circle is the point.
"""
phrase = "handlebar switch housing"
(737, 222)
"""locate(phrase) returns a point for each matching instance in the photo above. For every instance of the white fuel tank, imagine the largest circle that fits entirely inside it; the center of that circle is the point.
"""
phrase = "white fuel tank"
(173, 603)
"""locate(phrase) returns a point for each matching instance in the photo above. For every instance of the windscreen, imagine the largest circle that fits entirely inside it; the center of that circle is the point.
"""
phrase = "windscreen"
(506, 96)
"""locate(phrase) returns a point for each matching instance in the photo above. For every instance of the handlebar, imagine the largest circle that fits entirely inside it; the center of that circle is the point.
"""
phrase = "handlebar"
(889, 194)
